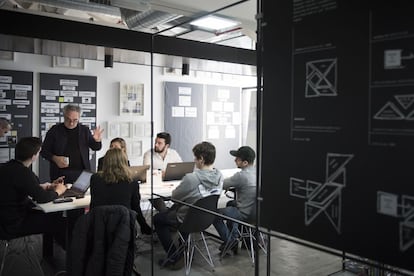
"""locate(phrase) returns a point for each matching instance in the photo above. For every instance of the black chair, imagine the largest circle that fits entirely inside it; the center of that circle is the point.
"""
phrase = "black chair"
(246, 235)
(103, 242)
(195, 222)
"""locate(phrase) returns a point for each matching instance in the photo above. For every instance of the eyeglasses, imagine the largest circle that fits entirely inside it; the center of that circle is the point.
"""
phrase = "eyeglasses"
(72, 121)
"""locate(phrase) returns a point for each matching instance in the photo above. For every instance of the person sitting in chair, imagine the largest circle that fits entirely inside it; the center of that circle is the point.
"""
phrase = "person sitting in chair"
(243, 208)
(204, 181)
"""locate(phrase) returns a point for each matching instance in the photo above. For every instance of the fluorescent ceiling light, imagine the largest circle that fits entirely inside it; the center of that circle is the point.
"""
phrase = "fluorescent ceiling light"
(212, 22)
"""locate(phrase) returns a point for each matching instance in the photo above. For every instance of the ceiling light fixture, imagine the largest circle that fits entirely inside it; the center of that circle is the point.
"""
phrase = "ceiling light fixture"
(214, 23)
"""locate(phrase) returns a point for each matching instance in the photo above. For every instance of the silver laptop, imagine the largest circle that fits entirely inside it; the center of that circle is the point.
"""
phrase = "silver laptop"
(80, 186)
(139, 172)
(176, 171)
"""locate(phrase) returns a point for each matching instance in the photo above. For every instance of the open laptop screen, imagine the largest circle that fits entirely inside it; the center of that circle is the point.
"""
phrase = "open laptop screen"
(176, 171)
(83, 181)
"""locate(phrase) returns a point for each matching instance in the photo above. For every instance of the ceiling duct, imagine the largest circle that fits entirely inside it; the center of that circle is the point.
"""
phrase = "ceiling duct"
(146, 20)
(85, 6)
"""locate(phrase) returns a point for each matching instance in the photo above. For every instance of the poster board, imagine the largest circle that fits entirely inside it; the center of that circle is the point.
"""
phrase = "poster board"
(16, 105)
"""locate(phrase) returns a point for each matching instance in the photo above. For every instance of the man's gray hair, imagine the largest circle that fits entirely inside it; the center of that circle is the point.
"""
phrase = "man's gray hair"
(71, 107)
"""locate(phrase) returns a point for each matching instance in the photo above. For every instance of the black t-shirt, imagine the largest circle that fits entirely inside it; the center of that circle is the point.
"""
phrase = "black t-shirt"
(72, 149)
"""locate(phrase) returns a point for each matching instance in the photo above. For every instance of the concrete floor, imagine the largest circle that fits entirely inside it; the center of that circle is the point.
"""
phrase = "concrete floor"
(287, 259)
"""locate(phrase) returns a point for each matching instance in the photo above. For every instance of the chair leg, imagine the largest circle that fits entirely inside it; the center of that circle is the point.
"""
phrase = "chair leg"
(228, 246)
(3, 259)
(190, 246)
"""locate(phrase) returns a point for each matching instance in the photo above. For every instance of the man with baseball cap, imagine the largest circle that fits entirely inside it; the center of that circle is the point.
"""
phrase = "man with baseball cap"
(244, 207)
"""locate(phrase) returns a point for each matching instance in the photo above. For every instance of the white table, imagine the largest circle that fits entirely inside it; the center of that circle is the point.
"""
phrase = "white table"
(57, 207)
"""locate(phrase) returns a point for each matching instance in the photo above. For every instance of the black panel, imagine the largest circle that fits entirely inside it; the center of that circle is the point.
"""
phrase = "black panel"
(338, 126)
(16, 105)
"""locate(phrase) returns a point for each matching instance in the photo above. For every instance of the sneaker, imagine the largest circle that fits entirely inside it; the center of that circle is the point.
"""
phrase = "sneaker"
(178, 264)
(172, 264)
(227, 248)
(165, 262)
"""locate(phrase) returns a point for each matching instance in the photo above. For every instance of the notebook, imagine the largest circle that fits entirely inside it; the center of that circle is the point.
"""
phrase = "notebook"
(139, 172)
(176, 171)
(80, 186)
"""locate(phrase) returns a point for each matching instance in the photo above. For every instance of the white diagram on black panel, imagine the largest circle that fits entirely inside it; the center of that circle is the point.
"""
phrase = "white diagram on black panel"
(400, 107)
(395, 59)
(321, 78)
(388, 204)
(324, 197)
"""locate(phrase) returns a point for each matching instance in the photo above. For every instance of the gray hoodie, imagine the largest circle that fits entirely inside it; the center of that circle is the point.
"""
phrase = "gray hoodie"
(196, 185)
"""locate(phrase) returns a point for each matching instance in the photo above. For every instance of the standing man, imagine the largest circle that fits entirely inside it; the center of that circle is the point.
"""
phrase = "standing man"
(244, 207)
(67, 144)
(5, 127)
(163, 154)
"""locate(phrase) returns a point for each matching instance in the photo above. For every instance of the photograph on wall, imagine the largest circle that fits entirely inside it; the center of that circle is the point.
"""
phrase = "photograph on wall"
(131, 99)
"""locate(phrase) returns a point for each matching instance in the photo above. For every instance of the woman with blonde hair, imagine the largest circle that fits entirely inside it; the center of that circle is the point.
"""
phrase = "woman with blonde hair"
(114, 186)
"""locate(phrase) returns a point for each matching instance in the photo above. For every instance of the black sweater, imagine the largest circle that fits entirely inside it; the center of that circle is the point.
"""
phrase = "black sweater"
(121, 193)
(17, 183)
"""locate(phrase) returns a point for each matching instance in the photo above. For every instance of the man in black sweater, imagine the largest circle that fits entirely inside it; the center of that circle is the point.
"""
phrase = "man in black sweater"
(67, 145)
(17, 218)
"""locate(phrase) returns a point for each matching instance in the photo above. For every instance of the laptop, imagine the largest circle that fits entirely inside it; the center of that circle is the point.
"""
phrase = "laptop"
(80, 186)
(139, 172)
(176, 171)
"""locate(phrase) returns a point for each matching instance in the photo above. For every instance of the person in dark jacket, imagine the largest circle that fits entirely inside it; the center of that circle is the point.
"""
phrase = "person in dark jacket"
(17, 218)
(66, 145)
(114, 186)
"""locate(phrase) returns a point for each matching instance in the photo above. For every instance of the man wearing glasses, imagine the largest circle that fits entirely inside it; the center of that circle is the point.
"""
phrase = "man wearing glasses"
(67, 144)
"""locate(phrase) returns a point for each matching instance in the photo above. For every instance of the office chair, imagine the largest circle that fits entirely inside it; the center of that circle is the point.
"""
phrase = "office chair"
(195, 222)
(103, 242)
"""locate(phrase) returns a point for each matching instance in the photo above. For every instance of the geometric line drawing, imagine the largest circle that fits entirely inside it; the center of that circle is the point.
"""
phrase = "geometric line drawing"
(410, 116)
(405, 100)
(389, 112)
(334, 164)
(324, 198)
(321, 78)
(407, 232)
(297, 187)
(387, 204)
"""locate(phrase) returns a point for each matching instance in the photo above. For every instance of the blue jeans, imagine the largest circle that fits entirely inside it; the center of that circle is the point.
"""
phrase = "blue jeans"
(227, 231)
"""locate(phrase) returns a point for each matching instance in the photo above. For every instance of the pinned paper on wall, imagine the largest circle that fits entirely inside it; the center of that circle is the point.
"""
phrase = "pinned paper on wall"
(131, 99)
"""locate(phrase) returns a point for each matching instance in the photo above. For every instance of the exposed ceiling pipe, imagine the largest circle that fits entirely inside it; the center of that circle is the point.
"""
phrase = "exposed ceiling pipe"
(147, 19)
(84, 5)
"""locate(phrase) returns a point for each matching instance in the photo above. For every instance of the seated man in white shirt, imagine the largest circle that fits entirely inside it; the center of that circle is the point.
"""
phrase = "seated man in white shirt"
(163, 154)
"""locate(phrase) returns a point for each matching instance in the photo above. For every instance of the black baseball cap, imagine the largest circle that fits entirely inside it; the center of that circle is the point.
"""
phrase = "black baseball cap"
(245, 153)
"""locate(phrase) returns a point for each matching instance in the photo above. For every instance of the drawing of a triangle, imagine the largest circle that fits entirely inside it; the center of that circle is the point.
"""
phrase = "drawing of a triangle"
(405, 100)
(339, 177)
(389, 112)
(311, 212)
(311, 187)
(333, 211)
(410, 116)
(334, 163)
(406, 235)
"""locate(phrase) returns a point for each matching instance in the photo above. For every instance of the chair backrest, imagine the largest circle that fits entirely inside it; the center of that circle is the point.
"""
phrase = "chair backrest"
(196, 220)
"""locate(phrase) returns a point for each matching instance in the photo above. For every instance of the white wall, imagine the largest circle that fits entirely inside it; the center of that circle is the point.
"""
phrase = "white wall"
(108, 89)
